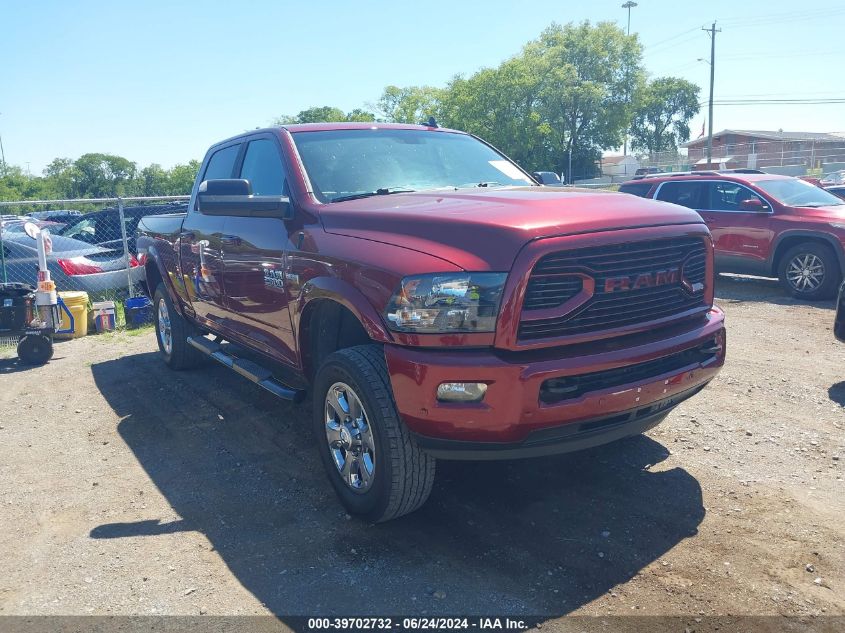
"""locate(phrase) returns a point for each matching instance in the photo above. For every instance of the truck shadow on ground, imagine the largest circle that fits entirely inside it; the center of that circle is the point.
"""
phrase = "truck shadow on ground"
(743, 289)
(534, 537)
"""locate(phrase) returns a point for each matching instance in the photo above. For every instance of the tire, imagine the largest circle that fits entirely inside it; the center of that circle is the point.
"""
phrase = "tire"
(35, 349)
(810, 271)
(172, 332)
(402, 474)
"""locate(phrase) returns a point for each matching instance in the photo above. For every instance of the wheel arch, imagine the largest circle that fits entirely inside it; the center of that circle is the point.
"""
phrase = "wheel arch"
(155, 273)
(333, 315)
(788, 239)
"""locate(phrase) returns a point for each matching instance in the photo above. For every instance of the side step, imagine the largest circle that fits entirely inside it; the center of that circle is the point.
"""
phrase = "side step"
(261, 376)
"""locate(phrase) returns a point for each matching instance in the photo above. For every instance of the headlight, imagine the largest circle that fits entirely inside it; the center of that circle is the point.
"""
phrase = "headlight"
(446, 302)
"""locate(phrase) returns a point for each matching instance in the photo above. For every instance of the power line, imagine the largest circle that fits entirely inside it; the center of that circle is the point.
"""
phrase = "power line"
(651, 47)
(777, 18)
(820, 101)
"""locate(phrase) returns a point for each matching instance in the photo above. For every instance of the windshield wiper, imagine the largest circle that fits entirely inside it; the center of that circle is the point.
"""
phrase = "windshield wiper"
(384, 191)
(816, 205)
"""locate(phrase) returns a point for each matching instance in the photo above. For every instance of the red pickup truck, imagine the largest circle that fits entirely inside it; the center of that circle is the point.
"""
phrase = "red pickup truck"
(763, 224)
(435, 300)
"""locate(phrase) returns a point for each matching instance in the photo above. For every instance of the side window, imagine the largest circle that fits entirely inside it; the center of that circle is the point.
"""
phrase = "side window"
(727, 196)
(263, 168)
(222, 163)
(689, 193)
(639, 189)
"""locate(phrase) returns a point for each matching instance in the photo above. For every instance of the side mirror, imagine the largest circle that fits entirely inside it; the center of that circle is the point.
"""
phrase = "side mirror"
(752, 204)
(233, 196)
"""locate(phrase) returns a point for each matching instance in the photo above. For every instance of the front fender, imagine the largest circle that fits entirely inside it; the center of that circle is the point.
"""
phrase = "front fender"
(349, 297)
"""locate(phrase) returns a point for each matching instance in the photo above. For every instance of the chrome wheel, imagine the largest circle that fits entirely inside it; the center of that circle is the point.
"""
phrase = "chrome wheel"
(350, 437)
(805, 272)
(164, 333)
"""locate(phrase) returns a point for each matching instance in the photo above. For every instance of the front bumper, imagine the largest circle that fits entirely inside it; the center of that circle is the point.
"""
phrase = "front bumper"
(513, 420)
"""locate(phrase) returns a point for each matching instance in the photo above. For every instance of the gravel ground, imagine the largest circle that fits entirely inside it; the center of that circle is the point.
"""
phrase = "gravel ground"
(130, 489)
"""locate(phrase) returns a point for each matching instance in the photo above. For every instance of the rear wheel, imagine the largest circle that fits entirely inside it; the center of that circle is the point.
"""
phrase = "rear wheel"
(172, 332)
(810, 271)
(373, 463)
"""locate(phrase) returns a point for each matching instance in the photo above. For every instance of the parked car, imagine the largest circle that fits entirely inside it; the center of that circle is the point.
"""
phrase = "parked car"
(763, 224)
(102, 228)
(645, 171)
(837, 190)
(436, 302)
(53, 214)
(548, 178)
(833, 178)
(73, 265)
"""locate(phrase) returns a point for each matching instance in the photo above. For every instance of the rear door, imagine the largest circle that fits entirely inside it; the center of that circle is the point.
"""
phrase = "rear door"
(254, 259)
(201, 254)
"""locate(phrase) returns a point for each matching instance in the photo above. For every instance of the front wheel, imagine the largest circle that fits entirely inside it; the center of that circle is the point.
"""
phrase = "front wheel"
(373, 463)
(172, 332)
(810, 271)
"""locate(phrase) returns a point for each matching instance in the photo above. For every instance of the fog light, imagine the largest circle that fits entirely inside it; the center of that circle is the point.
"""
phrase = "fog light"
(461, 391)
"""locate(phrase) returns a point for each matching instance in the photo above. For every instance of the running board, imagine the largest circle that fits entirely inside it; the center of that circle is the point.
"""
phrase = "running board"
(261, 376)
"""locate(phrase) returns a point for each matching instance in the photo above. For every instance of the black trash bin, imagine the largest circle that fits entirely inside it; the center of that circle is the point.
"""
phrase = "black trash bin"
(17, 313)
(17, 308)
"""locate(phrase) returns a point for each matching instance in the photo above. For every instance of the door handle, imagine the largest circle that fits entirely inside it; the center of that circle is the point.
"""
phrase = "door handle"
(230, 240)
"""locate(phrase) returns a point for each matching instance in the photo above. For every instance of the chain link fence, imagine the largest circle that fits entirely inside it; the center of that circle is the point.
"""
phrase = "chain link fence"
(93, 243)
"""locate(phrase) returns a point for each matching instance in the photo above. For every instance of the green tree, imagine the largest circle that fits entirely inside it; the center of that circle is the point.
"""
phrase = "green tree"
(411, 104)
(102, 175)
(325, 114)
(663, 108)
(180, 179)
(567, 90)
(153, 181)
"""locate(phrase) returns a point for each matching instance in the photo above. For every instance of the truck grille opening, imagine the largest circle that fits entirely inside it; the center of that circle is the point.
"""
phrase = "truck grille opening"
(635, 282)
(555, 390)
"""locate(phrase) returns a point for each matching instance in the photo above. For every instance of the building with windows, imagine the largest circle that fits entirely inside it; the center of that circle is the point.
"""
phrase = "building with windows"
(759, 149)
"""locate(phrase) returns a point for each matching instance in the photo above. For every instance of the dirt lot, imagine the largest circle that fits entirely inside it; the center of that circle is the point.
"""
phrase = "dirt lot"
(130, 489)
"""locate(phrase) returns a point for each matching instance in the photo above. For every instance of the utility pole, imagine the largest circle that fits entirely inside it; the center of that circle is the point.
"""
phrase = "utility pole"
(628, 5)
(712, 31)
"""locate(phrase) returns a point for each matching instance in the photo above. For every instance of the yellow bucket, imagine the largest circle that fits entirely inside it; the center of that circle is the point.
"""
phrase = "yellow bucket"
(77, 303)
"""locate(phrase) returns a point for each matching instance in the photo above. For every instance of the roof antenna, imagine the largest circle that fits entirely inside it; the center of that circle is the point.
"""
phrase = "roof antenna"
(430, 123)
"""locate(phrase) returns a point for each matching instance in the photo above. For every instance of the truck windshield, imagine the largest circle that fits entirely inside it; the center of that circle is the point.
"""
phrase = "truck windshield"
(794, 192)
(344, 164)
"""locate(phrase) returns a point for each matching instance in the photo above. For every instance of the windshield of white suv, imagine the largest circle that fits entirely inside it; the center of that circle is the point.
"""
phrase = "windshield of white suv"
(347, 164)
(794, 192)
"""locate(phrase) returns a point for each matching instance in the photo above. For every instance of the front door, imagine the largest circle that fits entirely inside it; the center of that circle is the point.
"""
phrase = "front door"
(741, 237)
(254, 260)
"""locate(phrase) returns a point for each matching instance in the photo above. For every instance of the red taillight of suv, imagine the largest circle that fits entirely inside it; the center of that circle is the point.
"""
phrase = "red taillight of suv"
(134, 262)
(78, 266)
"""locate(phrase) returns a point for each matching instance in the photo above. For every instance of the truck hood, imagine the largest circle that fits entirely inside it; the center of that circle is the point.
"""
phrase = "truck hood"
(485, 229)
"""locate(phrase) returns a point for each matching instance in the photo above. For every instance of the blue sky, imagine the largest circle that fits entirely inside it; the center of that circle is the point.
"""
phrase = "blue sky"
(159, 81)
